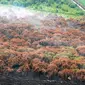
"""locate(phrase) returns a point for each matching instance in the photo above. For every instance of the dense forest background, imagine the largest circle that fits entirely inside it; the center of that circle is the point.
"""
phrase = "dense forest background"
(66, 7)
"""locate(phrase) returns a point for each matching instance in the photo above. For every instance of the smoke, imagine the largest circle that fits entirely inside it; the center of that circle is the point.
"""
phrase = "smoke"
(14, 14)
(19, 12)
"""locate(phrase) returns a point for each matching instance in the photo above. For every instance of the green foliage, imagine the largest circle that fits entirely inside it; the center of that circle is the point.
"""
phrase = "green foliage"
(50, 54)
(82, 2)
(66, 7)
(4, 1)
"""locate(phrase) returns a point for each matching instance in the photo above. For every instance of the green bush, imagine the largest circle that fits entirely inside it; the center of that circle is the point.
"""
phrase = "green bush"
(66, 7)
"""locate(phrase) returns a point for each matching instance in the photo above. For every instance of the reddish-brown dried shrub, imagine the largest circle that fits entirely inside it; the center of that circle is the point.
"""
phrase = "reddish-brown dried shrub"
(80, 74)
(66, 73)
(81, 50)
(52, 69)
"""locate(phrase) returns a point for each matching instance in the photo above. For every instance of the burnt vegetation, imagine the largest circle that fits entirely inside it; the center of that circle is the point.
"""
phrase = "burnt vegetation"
(48, 52)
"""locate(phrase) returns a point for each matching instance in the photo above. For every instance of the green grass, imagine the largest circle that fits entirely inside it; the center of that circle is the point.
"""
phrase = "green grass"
(63, 10)
(82, 2)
